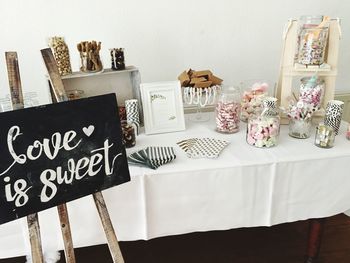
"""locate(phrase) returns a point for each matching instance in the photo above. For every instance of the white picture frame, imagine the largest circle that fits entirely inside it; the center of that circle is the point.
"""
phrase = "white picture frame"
(162, 107)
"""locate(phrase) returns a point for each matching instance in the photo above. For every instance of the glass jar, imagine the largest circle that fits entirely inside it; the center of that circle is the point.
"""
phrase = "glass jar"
(325, 136)
(312, 39)
(300, 128)
(348, 133)
(61, 54)
(75, 94)
(254, 92)
(228, 110)
(263, 130)
(129, 137)
(312, 91)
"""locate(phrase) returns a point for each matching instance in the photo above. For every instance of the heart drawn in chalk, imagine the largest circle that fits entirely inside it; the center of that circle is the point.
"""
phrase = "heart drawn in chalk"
(89, 130)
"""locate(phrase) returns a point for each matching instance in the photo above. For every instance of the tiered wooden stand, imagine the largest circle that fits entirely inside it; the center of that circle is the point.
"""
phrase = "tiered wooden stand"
(289, 70)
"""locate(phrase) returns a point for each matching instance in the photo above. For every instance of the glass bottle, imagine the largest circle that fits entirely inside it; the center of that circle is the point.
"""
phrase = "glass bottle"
(312, 91)
(228, 110)
(263, 129)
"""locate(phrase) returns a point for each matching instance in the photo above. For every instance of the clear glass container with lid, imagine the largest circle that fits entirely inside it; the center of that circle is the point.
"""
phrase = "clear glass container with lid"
(228, 110)
(312, 40)
(263, 129)
(312, 91)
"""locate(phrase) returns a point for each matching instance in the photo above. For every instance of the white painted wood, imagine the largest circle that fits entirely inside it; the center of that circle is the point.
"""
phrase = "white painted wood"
(290, 70)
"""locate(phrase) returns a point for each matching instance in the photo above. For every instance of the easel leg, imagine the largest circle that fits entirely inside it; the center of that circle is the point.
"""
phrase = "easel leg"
(35, 239)
(108, 228)
(314, 239)
(66, 233)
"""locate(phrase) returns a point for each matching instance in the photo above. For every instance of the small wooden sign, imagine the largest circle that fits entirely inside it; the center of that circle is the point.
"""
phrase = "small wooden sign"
(56, 153)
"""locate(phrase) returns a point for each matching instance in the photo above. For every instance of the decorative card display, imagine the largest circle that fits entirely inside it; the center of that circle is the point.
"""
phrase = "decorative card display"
(162, 107)
(56, 153)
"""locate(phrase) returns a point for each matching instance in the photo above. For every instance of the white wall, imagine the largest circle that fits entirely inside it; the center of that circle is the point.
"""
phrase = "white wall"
(236, 39)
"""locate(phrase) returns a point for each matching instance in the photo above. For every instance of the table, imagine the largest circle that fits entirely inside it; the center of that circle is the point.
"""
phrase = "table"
(244, 187)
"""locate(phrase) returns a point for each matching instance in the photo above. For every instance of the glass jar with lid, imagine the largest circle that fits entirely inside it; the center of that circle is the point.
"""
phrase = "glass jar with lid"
(263, 129)
(228, 110)
(254, 92)
(312, 40)
(312, 91)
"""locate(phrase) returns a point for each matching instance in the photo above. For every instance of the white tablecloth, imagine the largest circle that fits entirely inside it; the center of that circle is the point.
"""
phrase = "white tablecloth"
(244, 187)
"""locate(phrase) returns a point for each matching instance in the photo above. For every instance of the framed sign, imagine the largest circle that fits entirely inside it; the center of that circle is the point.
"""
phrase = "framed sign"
(56, 153)
(162, 107)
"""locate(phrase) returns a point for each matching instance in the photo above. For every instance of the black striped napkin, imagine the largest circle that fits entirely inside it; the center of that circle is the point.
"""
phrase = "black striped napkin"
(152, 157)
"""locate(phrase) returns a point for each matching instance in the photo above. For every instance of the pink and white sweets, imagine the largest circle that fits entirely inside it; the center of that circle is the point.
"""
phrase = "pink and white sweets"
(312, 95)
(263, 131)
(252, 100)
(227, 117)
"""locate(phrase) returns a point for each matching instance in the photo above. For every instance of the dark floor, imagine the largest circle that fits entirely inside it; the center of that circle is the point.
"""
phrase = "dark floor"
(279, 244)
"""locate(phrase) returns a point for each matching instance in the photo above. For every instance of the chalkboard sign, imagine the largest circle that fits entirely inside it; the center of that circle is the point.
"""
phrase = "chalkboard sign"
(56, 153)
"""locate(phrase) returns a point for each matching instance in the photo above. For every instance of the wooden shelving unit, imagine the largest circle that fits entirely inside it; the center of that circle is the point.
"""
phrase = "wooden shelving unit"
(289, 70)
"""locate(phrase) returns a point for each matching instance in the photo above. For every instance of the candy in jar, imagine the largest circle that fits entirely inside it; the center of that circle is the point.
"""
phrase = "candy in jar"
(252, 99)
(129, 137)
(228, 111)
(348, 133)
(325, 136)
(263, 130)
(312, 40)
(311, 91)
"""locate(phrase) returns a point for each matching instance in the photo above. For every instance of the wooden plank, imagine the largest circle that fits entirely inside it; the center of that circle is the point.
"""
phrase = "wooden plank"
(18, 103)
(35, 239)
(58, 94)
(108, 228)
(66, 233)
(14, 80)
(314, 239)
(54, 75)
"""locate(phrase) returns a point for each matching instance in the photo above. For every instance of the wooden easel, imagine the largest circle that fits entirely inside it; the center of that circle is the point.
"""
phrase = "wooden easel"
(289, 69)
(59, 95)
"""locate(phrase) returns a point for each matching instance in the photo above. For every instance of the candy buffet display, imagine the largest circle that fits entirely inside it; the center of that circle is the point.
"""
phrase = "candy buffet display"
(312, 90)
(228, 111)
(61, 54)
(117, 58)
(253, 96)
(263, 129)
(325, 136)
(313, 39)
(90, 60)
